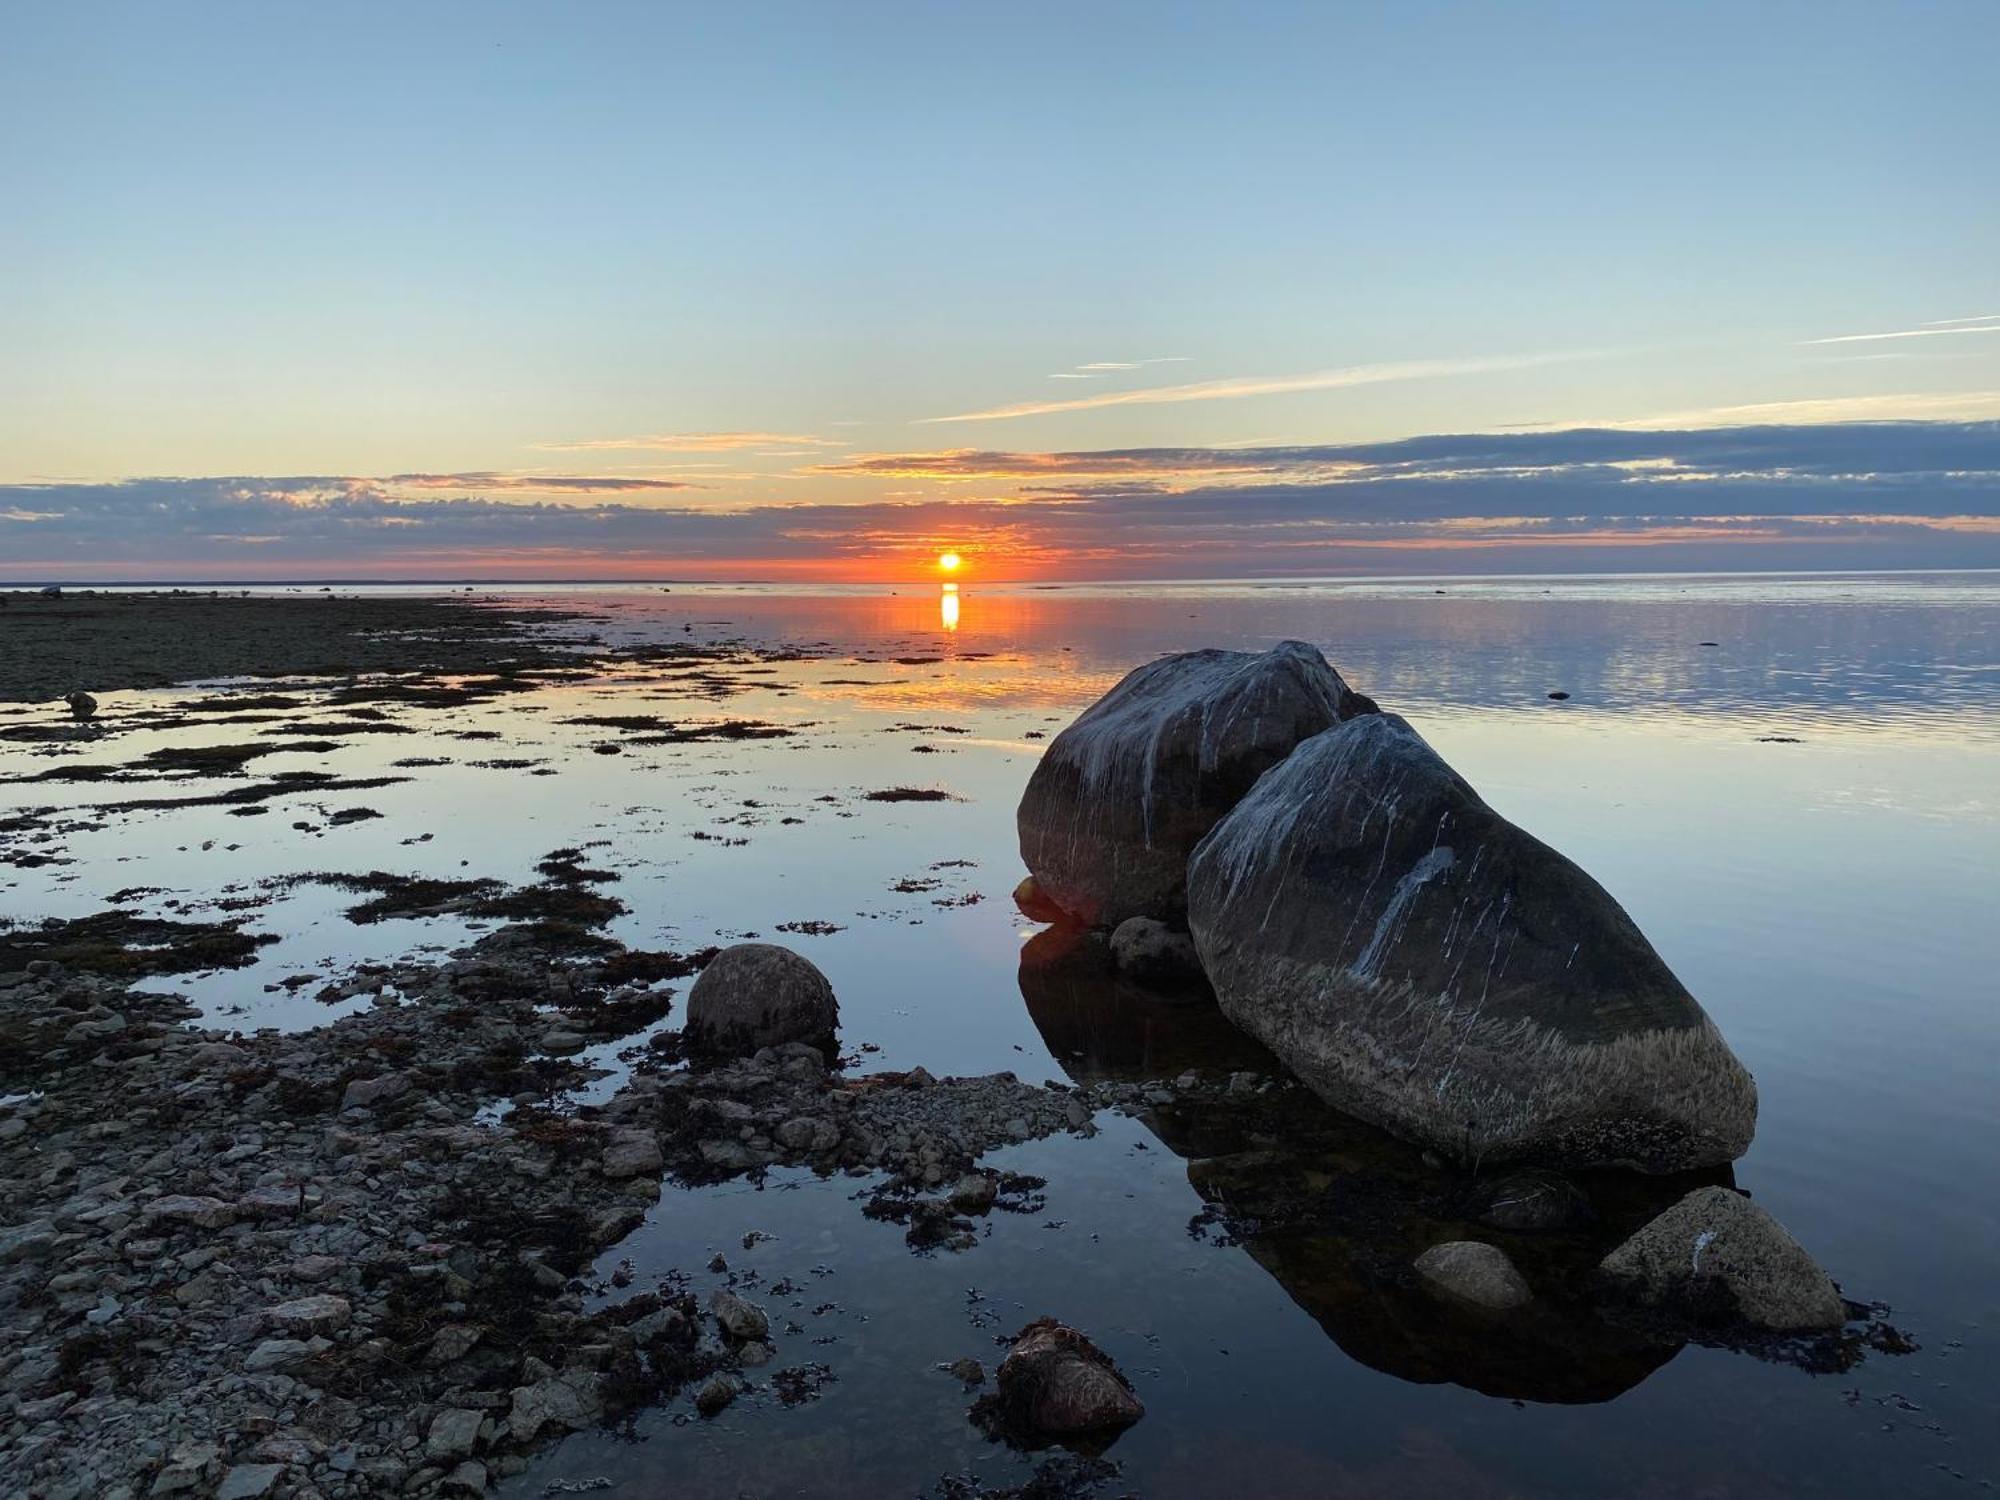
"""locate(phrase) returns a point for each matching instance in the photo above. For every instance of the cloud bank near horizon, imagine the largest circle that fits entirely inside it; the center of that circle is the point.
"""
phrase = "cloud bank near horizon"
(1862, 494)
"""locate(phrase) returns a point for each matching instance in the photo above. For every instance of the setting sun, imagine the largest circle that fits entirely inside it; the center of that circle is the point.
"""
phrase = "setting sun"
(948, 562)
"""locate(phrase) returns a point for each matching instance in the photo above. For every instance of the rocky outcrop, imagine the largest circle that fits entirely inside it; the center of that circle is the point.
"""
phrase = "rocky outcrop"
(1125, 792)
(1717, 1258)
(756, 995)
(1056, 1385)
(1421, 962)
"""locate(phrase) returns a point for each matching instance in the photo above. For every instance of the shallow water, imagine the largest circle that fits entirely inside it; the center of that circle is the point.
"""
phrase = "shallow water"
(1803, 816)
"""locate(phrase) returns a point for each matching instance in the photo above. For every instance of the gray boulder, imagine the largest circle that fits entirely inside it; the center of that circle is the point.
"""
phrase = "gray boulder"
(1422, 963)
(1716, 1257)
(1125, 792)
(756, 995)
(1147, 948)
(1473, 1274)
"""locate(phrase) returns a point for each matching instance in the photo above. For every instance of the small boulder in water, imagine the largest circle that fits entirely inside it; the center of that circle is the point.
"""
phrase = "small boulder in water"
(1147, 948)
(81, 705)
(1475, 1274)
(1125, 792)
(756, 995)
(1055, 1384)
(1717, 1258)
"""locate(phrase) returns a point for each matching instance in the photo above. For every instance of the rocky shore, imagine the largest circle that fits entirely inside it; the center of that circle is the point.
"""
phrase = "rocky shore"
(93, 641)
(357, 1260)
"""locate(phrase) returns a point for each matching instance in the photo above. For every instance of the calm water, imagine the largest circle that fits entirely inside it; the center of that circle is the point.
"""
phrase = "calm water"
(1804, 816)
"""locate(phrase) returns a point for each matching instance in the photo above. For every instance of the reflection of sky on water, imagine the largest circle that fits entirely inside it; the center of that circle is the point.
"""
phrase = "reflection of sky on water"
(1829, 901)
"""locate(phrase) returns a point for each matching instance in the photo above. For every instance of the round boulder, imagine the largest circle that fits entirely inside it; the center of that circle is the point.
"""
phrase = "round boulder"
(1477, 1275)
(756, 995)
(1147, 948)
(1056, 1385)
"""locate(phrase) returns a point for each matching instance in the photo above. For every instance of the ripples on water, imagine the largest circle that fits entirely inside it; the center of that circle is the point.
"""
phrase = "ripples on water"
(1804, 816)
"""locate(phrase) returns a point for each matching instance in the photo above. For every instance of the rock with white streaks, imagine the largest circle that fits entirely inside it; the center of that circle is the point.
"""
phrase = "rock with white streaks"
(1125, 792)
(1422, 963)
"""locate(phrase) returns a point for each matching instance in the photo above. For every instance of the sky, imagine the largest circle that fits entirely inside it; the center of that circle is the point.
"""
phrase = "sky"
(816, 292)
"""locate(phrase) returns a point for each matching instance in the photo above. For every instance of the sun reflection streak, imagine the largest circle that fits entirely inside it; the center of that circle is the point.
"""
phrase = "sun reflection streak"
(948, 607)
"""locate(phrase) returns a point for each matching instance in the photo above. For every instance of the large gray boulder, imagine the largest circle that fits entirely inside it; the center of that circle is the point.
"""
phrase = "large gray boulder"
(1124, 793)
(1419, 961)
(756, 995)
(1716, 1257)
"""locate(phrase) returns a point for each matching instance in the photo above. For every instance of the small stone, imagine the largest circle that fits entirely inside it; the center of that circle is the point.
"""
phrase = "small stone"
(454, 1433)
(1477, 1274)
(743, 1321)
(320, 1313)
(970, 1371)
(366, 1093)
(248, 1481)
(632, 1153)
(203, 1213)
(974, 1193)
(715, 1394)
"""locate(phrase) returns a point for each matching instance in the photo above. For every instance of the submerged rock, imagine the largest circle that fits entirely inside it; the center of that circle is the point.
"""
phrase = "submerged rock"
(1147, 948)
(1475, 1274)
(1127, 790)
(1056, 1384)
(1715, 1257)
(756, 995)
(1419, 961)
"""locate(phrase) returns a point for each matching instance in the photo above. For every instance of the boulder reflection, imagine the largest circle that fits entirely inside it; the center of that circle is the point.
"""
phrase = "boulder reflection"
(1336, 1210)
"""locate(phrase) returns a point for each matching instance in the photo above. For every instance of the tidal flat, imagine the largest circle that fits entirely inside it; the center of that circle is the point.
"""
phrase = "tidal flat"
(348, 949)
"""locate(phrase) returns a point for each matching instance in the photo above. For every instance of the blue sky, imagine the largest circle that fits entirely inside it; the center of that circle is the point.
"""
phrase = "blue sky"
(517, 248)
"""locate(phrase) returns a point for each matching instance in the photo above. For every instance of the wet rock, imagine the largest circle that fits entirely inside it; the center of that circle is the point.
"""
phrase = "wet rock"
(454, 1433)
(279, 1354)
(81, 705)
(1055, 1384)
(468, 1478)
(1124, 793)
(632, 1153)
(203, 1213)
(974, 1193)
(321, 1313)
(567, 1402)
(1717, 1258)
(248, 1481)
(1148, 949)
(1475, 1274)
(969, 1371)
(366, 1093)
(1422, 963)
(716, 1393)
(743, 1321)
(757, 995)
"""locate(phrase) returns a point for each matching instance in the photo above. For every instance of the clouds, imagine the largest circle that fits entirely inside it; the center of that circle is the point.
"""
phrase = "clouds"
(1097, 369)
(1239, 388)
(1938, 328)
(691, 442)
(1855, 494)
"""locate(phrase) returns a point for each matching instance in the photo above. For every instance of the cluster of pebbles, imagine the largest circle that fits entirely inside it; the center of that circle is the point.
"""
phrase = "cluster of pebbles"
(355, 1260)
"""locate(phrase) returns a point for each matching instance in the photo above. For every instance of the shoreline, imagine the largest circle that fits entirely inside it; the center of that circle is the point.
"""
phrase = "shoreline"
(106, 642)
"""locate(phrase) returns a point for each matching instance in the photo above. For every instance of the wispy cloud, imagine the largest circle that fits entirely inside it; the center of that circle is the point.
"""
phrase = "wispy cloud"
(1244, 387)
(532, 483)
(691, 442)
(1098, 368)
(1938, 328)
(1911, 406)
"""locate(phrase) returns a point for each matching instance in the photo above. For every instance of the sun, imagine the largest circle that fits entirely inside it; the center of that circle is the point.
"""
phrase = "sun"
(948, 562)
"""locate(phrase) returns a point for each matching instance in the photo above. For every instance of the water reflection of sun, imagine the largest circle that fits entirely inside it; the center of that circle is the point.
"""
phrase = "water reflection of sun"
(948, 607)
